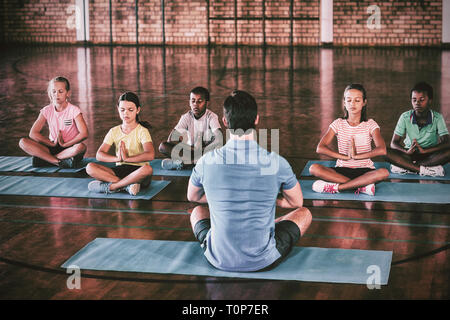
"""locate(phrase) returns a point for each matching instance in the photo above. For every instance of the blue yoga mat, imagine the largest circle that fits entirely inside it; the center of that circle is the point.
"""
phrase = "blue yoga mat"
(181, 257)
(67, 187)
(388, 192)
(24, 164)
(378, 165)
(156, 165)
(159, 171)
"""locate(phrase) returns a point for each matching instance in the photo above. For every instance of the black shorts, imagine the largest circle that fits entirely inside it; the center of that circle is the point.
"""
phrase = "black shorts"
(287, 234)
(38, 162)
(352, 173)
(124, 170)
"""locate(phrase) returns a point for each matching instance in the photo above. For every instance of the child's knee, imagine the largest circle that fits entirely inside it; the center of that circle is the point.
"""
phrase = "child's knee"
(90, 168)
(79, 148)
(22, 143)
(314, 169)
(383, 173)
(147, 170)
(82, 147)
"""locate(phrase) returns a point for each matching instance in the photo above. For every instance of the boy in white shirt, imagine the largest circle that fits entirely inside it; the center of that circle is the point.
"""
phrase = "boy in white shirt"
(197, 132)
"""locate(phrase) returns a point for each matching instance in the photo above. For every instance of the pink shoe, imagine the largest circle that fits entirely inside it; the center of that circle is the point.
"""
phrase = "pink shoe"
(325, 187)
(369, 189)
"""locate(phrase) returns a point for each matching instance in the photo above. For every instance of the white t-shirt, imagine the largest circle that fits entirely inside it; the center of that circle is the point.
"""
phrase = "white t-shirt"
(196, 129)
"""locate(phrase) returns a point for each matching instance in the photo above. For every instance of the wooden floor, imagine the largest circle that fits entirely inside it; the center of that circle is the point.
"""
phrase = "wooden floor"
(298, 91)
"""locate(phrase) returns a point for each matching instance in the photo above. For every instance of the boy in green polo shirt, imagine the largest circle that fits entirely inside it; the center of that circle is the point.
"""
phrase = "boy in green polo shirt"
(420, 143)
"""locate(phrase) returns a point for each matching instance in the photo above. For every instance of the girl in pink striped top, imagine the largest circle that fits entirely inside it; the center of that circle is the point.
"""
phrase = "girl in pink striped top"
(354, 132)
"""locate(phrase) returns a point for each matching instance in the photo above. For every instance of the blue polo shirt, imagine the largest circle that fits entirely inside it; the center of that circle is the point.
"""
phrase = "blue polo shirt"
(241, 181)
(426, 136)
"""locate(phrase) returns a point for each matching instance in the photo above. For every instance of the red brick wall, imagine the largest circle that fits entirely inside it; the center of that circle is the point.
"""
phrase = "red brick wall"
(37, 21)
(403, 23)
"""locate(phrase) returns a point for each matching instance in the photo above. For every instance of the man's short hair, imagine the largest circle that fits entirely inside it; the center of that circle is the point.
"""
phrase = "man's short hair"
(240, 110)
(424, 88)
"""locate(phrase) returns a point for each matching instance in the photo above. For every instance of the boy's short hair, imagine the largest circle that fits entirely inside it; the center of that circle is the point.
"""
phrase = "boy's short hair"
(201, 91)
(424, 88)
(240, 110)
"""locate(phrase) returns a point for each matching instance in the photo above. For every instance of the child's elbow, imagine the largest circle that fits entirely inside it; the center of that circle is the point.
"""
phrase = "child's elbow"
(32, 135)
(85, 134)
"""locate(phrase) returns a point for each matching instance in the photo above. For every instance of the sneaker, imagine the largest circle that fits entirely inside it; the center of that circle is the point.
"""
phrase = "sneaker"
(169, 164)
(325, 187)
(99, 187)
(133, 188)
(66, 163)
(399, 170)
(369, 189)
(435, 171)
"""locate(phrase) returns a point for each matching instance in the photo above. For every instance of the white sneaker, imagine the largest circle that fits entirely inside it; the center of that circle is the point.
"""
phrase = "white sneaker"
(369, 189)
(169, 164)
(133, 189)
(435, 171)
(325, 187)
(399, 170)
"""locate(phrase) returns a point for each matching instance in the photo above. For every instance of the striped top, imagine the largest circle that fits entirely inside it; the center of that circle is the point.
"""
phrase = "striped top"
(362, 134)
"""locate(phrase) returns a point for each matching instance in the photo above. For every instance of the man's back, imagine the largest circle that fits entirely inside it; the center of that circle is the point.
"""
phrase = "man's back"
(241, 182)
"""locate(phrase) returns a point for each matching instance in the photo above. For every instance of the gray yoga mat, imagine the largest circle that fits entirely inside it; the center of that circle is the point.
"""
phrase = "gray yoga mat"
(181, 257)
(387, 191)
(24, 164)
(68, 187)
(159, 171)
(378, 165)
(156, 165)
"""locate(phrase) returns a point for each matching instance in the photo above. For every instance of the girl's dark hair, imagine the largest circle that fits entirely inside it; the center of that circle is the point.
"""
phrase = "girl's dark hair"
(359, 87)
(132, 97)
(240, 110)
(57, 79)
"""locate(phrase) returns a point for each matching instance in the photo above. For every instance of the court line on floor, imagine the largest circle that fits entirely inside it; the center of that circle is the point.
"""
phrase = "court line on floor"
(189, 229)
(183, 212)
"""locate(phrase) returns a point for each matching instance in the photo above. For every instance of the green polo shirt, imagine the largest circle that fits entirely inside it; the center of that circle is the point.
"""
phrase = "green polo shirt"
(426, 136)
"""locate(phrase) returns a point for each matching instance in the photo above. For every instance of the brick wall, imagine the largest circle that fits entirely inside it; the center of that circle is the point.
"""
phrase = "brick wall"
(417, 23)
(402, 23)
(37, 21)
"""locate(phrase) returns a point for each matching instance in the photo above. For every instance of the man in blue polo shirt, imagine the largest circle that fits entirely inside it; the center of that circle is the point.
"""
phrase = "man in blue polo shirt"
(240, 183)
(426, 144)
